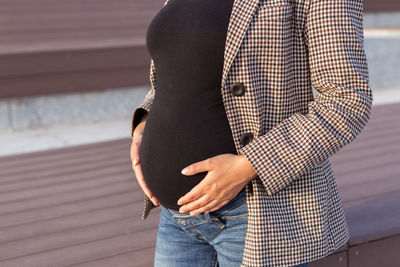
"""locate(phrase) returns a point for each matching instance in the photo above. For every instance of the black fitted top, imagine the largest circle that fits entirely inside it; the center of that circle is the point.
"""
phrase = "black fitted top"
(187, 122)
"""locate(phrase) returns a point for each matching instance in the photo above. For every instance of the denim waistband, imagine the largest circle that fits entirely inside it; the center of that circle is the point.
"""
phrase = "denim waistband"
(241, 196)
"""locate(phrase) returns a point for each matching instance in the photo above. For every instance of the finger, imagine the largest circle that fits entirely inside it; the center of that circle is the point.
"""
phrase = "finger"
(211, 206)
(143, 185)
(135, 151)
(195, 193)
(200, 166)
(198, 203)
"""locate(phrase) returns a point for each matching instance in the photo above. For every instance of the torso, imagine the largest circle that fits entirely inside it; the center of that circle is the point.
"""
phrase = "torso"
(187, 122)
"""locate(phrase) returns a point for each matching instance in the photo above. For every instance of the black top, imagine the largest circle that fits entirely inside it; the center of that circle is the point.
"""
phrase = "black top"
(187, 122)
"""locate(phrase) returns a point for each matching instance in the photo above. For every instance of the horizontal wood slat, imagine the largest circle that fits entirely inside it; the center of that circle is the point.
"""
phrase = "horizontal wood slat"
(381, 6)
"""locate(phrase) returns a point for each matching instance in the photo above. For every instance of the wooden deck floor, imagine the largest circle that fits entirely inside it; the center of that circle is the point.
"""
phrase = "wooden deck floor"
(81, 206)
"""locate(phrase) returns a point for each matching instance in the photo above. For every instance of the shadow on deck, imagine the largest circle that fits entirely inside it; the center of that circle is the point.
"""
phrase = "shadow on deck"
(81, 205)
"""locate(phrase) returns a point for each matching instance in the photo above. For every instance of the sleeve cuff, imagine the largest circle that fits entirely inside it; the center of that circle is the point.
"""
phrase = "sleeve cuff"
(249, 152)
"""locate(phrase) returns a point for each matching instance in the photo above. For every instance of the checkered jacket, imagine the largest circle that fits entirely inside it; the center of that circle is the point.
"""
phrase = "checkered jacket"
(278, 50)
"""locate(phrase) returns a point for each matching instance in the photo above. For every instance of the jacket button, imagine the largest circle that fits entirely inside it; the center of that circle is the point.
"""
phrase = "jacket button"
(246, 138)
(237, 88)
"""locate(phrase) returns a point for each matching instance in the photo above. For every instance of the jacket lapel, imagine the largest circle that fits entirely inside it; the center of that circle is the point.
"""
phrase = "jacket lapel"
(241, 15)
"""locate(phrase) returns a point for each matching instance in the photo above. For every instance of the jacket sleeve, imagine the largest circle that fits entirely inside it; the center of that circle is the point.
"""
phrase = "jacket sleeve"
(146, 104)
(338, 68)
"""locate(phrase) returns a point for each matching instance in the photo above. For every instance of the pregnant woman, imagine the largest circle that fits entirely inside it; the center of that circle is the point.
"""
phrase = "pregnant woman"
(187, 124)
(239, 181)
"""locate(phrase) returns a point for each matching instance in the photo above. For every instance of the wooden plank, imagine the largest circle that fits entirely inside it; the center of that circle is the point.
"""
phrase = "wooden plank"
(62, 188)
(77, 236)
(367, 173)
(138, 258)
(79, 165)
(358, 151)
(367, 168)
(380, 6)
(387, 109)
(333, 260)
(363, 192)
(73, 221)
(79, 60)
(61, 179)
(373, 219)
(75, 150)
(83, 252)
(370, 162)
(70, 82)
(57, 211)
(382, 253)
(75, 197)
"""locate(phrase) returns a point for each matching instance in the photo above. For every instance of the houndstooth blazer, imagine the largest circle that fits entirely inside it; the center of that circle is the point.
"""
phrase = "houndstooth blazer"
(276, 51)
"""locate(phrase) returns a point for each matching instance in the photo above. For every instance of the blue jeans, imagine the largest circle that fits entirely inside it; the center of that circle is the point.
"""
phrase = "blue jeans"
(206, 239)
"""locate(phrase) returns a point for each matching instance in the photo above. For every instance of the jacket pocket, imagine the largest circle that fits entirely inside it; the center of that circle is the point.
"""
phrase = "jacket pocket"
(279, 11)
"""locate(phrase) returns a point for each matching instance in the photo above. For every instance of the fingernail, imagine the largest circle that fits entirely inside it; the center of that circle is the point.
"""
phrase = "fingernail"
(185, 170)
(135, 160)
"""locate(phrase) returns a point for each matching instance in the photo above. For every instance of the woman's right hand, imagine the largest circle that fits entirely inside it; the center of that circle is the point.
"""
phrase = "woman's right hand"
(136, 141)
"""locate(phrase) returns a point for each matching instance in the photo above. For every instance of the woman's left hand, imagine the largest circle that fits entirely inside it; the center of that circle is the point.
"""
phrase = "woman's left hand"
(227, 175)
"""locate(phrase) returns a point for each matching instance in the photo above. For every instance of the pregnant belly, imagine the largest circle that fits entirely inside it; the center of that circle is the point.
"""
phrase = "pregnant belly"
(163, 155)
(165, 151)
